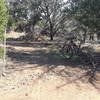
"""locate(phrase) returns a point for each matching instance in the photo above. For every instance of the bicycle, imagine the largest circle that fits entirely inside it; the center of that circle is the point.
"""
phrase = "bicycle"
(70, 49)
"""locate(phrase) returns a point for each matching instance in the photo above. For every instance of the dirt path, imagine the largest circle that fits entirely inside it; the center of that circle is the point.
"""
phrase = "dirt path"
(36, 73)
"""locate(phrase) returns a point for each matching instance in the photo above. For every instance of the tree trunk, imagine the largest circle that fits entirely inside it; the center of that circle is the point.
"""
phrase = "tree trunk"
(84, 37)
(51, 37)
(51, 31)
(98, 36)
(91, 37)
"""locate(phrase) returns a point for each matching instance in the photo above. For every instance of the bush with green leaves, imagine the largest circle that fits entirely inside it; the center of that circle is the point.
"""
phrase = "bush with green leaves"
(87, 13)
(3, 18)
(1, 52)
(11, 24)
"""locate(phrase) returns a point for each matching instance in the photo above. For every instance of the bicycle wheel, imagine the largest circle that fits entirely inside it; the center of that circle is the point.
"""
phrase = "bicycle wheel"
(67, 51)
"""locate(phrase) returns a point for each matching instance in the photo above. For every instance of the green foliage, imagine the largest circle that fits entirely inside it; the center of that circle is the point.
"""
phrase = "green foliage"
(11, 23)
(40, 23)
(24, 15)
(18, 11)
(1, 52)
(1, 37)
(3, 18)
(75, 59)
(87, 12)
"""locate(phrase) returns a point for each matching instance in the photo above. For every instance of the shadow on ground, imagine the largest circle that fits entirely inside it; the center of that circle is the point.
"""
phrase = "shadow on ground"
(49, 59)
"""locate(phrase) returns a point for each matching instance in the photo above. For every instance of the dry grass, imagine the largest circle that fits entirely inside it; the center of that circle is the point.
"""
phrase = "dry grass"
(13, 34)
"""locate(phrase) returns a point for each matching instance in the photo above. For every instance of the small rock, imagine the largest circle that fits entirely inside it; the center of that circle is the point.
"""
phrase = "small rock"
(26, 94)
(3, 74)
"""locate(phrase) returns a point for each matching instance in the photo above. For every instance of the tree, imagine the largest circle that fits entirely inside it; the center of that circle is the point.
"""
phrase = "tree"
(3, 18)
(11, 24)
(52, 15)
(87, 13)
(27, 13)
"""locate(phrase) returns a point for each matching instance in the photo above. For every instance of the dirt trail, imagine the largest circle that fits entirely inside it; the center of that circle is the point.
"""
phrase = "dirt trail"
(36, 73)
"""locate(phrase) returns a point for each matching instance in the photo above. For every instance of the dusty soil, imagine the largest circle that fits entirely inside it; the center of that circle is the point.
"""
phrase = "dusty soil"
(34, 72)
